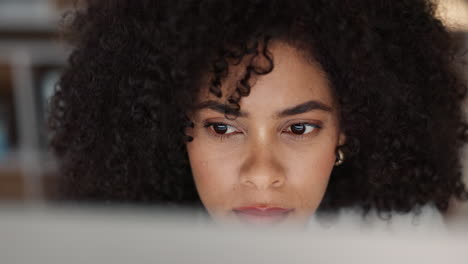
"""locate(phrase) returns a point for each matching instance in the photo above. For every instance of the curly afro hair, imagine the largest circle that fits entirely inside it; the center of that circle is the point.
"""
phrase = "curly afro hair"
(119, 113)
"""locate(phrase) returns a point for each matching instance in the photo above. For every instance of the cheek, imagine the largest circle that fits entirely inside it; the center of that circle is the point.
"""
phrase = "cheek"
(214, 174)
(309, 174)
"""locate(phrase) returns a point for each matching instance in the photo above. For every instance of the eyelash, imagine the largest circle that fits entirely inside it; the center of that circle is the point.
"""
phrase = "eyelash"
(225, 136)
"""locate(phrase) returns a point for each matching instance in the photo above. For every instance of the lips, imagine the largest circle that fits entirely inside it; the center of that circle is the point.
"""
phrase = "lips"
(262, 214)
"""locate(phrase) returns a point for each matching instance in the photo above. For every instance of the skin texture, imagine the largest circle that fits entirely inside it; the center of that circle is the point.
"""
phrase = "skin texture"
(258, 160)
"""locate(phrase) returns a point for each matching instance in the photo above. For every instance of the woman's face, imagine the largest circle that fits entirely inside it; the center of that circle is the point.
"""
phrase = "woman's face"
(270, 165)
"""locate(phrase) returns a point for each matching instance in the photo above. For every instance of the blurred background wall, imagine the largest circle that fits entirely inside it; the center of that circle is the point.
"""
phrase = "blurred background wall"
(31, 58)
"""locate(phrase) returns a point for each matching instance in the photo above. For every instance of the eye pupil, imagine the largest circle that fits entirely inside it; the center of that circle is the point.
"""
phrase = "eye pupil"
(298, 128)
(220, 129)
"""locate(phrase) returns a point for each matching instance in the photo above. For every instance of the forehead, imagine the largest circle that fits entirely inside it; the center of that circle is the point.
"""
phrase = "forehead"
(295, 79)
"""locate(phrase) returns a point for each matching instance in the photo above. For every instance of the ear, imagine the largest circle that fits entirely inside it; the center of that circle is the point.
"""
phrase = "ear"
(341, 139)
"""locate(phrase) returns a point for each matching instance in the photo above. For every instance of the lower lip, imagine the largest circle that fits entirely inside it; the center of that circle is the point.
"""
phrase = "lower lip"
(262, 218)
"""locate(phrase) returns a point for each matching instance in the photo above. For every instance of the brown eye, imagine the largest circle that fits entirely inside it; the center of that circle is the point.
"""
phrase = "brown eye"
(302, 128)
(298, 129)
(220, 128)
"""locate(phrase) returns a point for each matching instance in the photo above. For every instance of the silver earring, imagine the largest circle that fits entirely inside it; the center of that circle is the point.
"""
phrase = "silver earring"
(340, 157)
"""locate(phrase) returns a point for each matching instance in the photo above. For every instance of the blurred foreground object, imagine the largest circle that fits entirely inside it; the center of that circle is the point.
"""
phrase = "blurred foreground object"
(126, 235)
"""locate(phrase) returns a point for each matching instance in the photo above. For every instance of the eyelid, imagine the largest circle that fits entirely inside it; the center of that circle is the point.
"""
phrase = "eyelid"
(210, 123)
(315, 123)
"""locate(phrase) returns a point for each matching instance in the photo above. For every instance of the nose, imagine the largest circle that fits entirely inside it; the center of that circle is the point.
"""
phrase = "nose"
(261, 169)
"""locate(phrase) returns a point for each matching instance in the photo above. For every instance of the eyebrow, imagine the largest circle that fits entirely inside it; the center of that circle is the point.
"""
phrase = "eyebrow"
(295, 110)
(221, 108)
(304, 108)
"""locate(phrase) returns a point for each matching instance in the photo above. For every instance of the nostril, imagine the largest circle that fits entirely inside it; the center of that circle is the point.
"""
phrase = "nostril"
(262, 182)
(249, 183)
(276, 183)
(261, 171)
